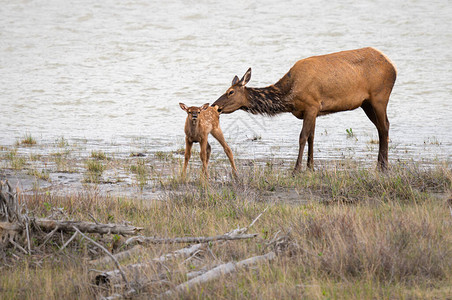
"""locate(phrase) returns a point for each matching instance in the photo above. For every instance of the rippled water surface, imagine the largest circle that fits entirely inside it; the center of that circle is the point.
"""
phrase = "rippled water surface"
(113, 72)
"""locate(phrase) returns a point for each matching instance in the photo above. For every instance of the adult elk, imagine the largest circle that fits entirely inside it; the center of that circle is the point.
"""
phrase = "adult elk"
(321, 85)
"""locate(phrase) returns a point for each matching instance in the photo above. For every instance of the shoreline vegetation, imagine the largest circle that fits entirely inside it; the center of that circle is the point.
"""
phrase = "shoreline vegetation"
(341, 231)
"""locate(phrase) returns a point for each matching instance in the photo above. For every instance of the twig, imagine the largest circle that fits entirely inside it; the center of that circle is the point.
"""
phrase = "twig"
(123, 275)
(257, 218)
(28, 235)
(47, 237)
(67, 243)
(18, 246)
(191, 257)
(245, 229)
(94, 219)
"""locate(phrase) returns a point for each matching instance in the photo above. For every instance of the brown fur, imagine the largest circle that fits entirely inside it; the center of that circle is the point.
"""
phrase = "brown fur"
(321, 85)
(199, 123)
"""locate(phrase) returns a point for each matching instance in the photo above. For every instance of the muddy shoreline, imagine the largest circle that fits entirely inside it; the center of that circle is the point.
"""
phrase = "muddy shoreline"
(64, 169)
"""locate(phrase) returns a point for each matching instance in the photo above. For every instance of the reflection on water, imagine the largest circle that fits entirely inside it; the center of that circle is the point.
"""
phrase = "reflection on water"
(114, 71)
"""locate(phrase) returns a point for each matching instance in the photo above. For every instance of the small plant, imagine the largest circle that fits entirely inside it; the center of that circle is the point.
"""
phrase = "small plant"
(161, 155)
(94, 171)
(16, 162)
(44, 174)
(47, 206)
(99, 155)
(141, 173)
(61, 142)
(28, 140)
(63, 164)
(350, 133)
(180, 151)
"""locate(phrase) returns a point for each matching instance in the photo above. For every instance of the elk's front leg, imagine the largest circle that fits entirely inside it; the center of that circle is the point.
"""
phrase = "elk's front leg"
(188, 146)
(204, 159)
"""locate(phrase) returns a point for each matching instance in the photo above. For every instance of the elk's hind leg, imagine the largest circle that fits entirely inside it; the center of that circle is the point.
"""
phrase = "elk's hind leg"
(306, 134)
(218, 134)
(208, 151)
(376, 112)
(204, 157)
(188, 145)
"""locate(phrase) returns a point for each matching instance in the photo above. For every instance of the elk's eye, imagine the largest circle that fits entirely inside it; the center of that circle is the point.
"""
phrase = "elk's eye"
(231, 92)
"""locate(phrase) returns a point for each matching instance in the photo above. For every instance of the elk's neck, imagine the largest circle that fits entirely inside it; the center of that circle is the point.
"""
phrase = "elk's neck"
(271, 100)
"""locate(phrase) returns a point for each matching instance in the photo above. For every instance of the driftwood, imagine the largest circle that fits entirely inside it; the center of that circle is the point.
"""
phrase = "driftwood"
(12, 221)
(86, 227)
(218, 271)
(114, 277)
(203, 239)
(10, 210)
(121, 272)
(119, 256)
(15, 223)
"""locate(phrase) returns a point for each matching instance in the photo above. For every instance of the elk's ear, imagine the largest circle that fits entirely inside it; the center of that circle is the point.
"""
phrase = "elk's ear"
(205, 106)
(235, 80)
(183, 106)
(245, 78)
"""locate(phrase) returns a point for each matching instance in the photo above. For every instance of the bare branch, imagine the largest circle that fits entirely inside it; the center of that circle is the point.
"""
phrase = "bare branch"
(67, 243)
(153, 240)
(123, 275)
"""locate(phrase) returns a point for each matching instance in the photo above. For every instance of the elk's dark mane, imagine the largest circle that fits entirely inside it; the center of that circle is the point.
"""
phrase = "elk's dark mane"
(270, 100)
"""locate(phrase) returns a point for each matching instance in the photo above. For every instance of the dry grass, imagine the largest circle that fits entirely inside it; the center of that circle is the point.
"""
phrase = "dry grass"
(372, 236)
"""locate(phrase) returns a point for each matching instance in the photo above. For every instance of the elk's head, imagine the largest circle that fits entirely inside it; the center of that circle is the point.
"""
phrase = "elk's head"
(235, 96)
(193, 111)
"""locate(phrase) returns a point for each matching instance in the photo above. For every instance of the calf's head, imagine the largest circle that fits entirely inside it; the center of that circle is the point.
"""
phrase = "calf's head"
(193, 111)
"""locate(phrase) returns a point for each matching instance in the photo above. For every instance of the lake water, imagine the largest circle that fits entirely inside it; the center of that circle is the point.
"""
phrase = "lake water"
(111, 73)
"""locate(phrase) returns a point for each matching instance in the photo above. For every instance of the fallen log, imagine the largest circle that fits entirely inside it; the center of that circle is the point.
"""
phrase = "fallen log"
(8, 229)
(10, 210)
(216, 272)
(119, 256)
(114, 276)
(154, 240)
(12, 223)
(86, 227)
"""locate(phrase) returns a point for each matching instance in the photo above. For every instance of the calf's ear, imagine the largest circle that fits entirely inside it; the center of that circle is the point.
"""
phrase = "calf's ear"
(205, 106)
(183, 106)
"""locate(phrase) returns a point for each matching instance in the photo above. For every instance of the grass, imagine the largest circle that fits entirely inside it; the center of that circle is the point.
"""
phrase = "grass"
(15, 161)
(43, 174)
(99, 155)
(62, 142)
(27, 140)
(165, 156)
(349, 132)
(63, 162)
(141, 172)
(351, 233)
(94, 170)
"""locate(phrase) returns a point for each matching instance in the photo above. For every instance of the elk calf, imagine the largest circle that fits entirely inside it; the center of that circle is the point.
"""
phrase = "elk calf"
(199, 123)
